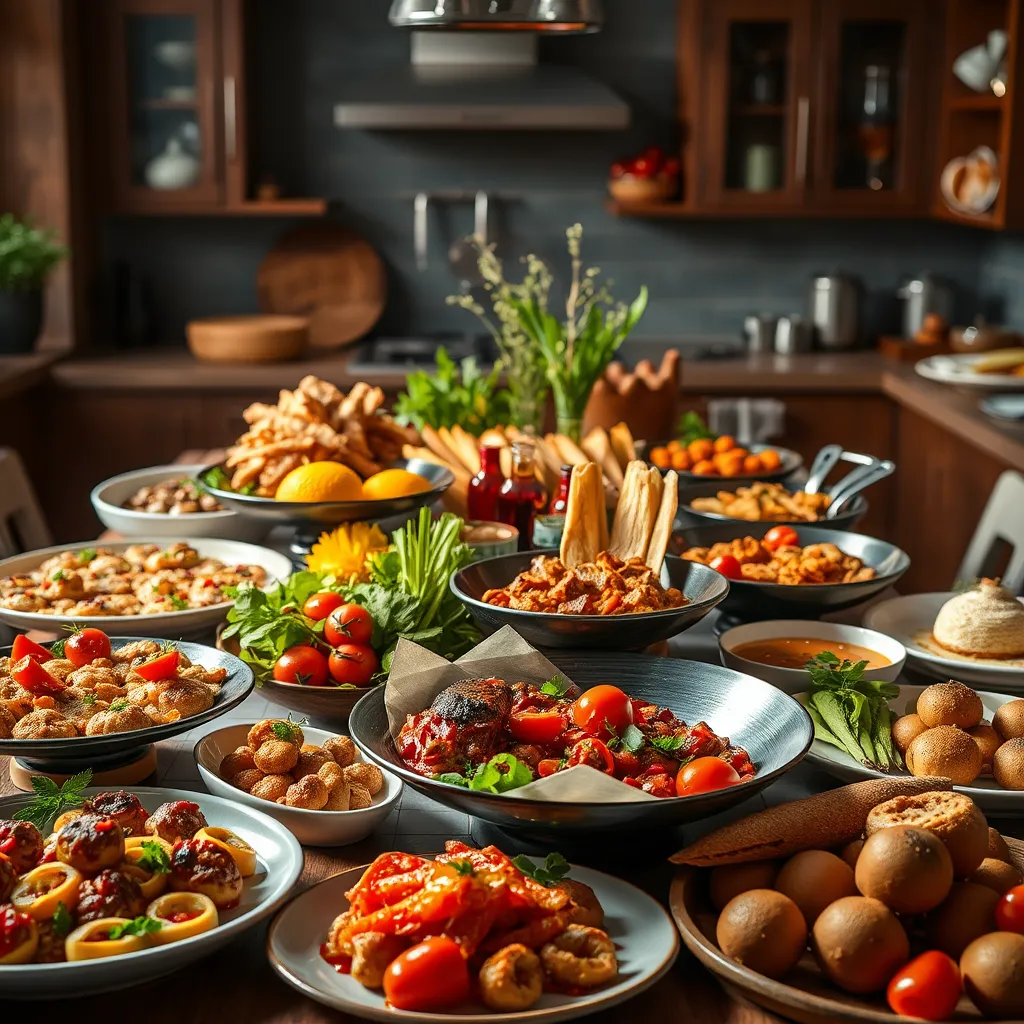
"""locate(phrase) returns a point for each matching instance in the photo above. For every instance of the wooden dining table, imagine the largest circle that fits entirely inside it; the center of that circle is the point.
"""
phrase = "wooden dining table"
(237, 985)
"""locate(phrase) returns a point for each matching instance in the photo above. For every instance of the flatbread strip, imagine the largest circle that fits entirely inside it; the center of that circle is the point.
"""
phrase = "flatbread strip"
(582, 536)
(663, 523)
(824, 821)
(637, 511)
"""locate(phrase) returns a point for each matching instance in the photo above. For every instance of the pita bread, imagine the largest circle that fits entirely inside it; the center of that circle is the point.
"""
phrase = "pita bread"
(664, 522)
(581, 537)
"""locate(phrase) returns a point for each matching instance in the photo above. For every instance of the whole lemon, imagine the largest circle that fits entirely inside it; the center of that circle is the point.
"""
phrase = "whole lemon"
(321, 481)
(393, 483)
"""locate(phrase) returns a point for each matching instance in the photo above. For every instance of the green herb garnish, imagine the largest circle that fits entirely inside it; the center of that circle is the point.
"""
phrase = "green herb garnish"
(61, 920)
(556, 686)
(57, 647)
(58, 576)
(86, 554)
(88, 699)
(463, 867)
(137, 926)
(554, 868)
(502, 773)
(287, 731)
(52, 800)
(177, 602)
(154, 859)
(692, 428)
(631, 739)
(121, 704)
(667, 744)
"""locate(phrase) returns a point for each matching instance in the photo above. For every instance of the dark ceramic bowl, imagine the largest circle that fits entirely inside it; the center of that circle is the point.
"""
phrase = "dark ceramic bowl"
(852, 514)
(750, 601)
(331, 513)
(236, 687)
(772, 727)
(704, 588)
(790, 462)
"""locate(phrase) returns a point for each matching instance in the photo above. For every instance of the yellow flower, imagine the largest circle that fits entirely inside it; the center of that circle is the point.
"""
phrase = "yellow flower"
(343, 553)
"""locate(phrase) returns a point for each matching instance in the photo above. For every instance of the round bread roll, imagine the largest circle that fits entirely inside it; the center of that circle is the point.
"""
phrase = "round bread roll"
(993, 972)
(731, 880)
(270, 787)
(988, 741)
(949, 703)
(997, 848)
(997, 875)
(967, 913)
(908, 869)
(945, 752)
(814, 879)
(1008, 720)
(851, 852)
(1008, 764)
(309, 793)
(860, 944)
(763, 930)
(905, 730)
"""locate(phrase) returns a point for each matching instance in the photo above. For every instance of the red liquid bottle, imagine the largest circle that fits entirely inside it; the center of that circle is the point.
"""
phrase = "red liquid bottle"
(482, 501)
(561, 502)
(522, 495)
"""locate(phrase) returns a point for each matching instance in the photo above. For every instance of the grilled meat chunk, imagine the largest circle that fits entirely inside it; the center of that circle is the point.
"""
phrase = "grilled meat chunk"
(475, 702)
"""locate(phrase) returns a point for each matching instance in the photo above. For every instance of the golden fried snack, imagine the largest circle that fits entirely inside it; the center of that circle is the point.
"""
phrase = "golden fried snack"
(309, 793)
(270, 787)
(239, 760)
(338, 798)
(246, 779)
(310, 760)
(276, 757)
(367, 775)
(274, 729)
(341, 748)
(358, 798)
(331, 774)
(185, 697)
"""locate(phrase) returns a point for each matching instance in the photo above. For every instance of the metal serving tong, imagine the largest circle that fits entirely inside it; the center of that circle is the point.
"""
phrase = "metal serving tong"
(868, 471)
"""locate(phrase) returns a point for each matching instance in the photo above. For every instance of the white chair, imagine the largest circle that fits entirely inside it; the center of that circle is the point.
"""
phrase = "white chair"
(997, 547)
(22, 526)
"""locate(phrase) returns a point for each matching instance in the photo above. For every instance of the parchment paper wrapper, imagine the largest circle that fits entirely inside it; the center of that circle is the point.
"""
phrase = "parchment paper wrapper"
(418, 676)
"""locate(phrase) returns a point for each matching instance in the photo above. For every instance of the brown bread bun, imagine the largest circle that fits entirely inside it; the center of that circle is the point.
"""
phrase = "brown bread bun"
(731, 880)
(997, 875)
(763, 930)
(967, 913)
(945, 751)
(1008, 764)
(993, 973)
(908, 869)
(860, 944)
(813, 879)
(997, 848)
(950, 703)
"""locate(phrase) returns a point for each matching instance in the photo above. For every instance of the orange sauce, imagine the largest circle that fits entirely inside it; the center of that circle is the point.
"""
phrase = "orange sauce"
(795, 652)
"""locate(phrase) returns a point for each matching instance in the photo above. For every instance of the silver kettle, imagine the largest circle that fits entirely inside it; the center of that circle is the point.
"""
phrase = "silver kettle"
(833, 309)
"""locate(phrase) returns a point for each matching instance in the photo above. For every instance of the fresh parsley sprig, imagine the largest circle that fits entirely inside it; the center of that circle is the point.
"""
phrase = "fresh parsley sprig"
(52, 800)
(556, 686)
(630, 739)
(287, 730)
(667, 744)
(136, 926)
(154, 858)
(463, 867)
(554, 868)
(61, 920)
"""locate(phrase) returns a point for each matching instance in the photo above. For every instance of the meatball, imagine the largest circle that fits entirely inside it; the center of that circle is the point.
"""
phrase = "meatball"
(179, 819)
(44, 725)
(8, 878)
(198, 865)
(90, 843)
(21, 843)
(110, 894)
(124, 808)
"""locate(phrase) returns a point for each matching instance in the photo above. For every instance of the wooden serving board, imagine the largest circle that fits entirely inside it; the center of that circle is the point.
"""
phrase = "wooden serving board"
(805, 996)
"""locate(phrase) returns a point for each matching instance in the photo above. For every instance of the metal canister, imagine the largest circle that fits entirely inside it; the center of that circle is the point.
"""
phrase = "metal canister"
(833, 311)
(921, 296)
(759, 332)
(792, 335)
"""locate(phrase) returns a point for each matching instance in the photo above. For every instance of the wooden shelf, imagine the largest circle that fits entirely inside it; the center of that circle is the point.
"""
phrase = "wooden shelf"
(250, 208)
(989, 219)
(162, 104)
(661, 208)
(759, 110)
(983, 102)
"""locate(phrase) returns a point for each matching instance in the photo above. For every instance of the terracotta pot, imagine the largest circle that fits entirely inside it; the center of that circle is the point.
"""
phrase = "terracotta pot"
(647, 399)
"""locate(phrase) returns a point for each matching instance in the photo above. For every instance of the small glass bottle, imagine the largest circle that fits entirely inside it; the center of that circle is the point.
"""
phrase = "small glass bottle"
(561, 501)
(522, 495)
(482, 501)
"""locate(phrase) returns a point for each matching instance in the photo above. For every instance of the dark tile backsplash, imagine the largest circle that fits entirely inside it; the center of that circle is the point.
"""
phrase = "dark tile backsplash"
(703, 276)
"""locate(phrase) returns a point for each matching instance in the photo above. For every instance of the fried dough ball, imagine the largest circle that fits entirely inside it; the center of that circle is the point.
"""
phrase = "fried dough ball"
(358, 797)
(342, 749)
(275, 757)
(247, 780)
(45, 725)
(366, 775)
(239, 760)
(121, 716)
(331, 775)
(199, 865)
(265, 730)
(186, 697)
(271, 787)
(27, 846)
(309, 793)
(177, 819)
(310, 761)
(338, 798)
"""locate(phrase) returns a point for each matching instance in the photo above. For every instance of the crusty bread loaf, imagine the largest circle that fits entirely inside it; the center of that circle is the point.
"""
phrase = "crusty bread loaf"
(824, 821)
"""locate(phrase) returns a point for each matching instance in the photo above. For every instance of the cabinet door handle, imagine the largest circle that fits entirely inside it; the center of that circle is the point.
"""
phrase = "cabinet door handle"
(803, 123)
(230, 118)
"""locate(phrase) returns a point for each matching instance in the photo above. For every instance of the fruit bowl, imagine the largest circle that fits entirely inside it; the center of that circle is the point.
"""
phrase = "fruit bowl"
(632, 189)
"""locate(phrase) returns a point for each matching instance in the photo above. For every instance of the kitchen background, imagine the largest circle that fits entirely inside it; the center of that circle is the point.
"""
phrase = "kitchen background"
(703, 276)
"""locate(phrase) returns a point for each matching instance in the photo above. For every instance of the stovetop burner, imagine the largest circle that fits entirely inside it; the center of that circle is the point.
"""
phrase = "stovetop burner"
(420, 351)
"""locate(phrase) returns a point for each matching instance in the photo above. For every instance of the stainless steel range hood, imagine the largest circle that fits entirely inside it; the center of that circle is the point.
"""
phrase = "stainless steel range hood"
(473, 65)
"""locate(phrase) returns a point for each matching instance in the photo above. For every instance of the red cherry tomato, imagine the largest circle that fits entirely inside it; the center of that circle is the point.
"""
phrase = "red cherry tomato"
(617, 170)
(536, 726)
(23, 647)
(928, 987)
(548, 766)
(34, 678)
(656, 155)
(600, 707)
(301, 665)
(348, 624)
(728, 566)
(430, 976)
(319, 606)
(1009, 909)
(353, 663)
(704, 775)
(163, 666)
(781, 537)
(643, 167)
(85, 646)
(593, 752)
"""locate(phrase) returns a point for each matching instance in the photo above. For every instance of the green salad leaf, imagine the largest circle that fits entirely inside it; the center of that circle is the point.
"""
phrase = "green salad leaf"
(499, 775)
(136, 926)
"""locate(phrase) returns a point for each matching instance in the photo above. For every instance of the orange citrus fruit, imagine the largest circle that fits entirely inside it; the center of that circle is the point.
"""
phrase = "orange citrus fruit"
(321, 481)
(393, 483)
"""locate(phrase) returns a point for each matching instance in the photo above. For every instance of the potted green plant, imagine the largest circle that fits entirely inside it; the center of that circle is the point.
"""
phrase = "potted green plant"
(27, 255)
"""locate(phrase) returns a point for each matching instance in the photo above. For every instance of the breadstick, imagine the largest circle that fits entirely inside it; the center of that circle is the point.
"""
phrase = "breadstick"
(597, 445)
(664, 522)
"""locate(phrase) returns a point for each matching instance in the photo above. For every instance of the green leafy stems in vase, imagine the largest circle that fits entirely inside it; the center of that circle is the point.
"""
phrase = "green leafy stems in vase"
(571, 353)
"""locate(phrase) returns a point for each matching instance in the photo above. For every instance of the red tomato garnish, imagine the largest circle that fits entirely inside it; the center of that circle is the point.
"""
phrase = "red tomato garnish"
(319, 606)
(301, 665)
(593, 752)
(617, 170)
(656, 155)
(34, 678)
(928, 987)
(728, 566)
(23, 647)
(354, 664)
(536, 726)
(781, 537)
(602, 710)
(164, 666)
(1009, 910)
(348, 624)
(86, 645)
(430, 976)
(643, 167)
(704, 775)
(548, 766)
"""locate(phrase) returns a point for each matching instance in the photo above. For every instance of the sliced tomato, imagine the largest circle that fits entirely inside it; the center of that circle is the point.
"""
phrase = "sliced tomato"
(593, 752)
(163, 666)
(430, 976)
(29, 674)
(86, 645)
(536, 726)
(603, 711)
(704, 775)
(548, 766)
(23, 647)
(928, 987)
(728, 566)
(781, 537)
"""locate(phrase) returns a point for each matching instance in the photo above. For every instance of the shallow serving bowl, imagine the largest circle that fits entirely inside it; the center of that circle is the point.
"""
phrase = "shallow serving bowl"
(108, 498)
(237, 685)
(790, 462)
(279, 865)
(331, 513)
(704, 588)
(772, 727)
(794, 680)
(751, 601)
(311, 828)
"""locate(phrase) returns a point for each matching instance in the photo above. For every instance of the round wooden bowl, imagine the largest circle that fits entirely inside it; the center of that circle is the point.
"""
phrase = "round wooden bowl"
(630, 189)
(247, 339)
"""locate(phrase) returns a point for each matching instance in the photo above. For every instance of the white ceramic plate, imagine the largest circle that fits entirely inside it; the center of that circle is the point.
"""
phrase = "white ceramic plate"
(957, 370)
(311, 828)
(1004, 407)
(646, 941)
(169, 625)
(108, 500)
(909, 620)
(985, 792)
(278, 868)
